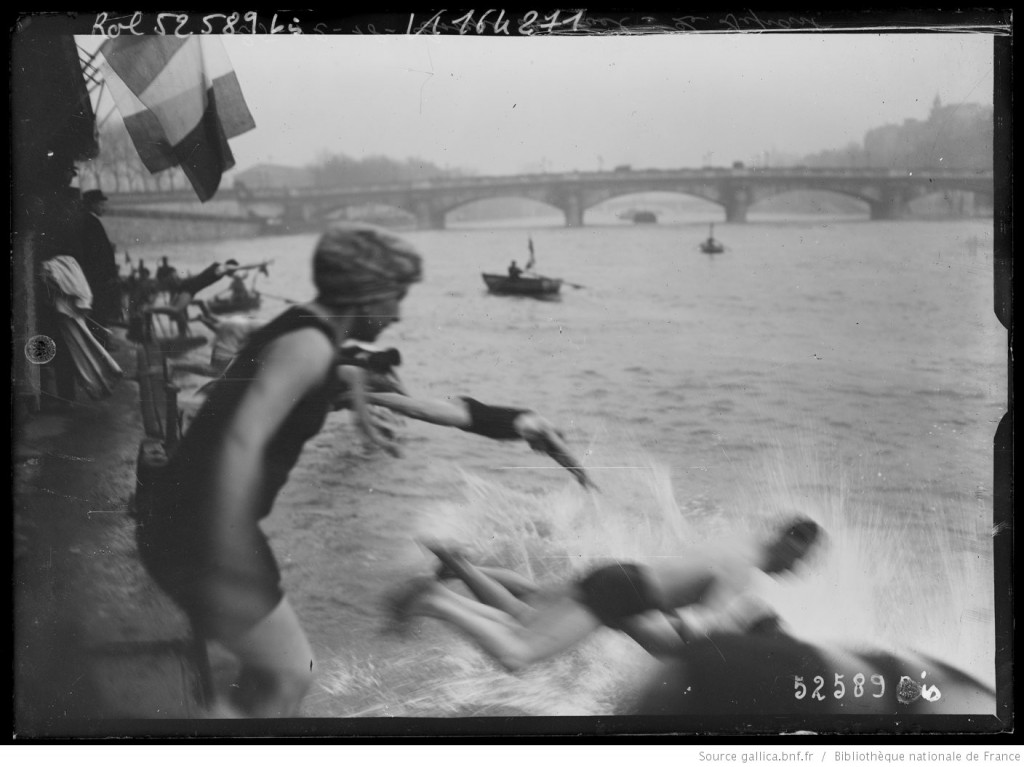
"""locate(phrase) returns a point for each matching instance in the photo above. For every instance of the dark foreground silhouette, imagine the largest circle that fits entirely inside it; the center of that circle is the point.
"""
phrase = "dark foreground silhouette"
(784, 676)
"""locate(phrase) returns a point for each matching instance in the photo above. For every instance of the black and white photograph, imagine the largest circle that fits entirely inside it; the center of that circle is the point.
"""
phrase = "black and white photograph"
(507, 373)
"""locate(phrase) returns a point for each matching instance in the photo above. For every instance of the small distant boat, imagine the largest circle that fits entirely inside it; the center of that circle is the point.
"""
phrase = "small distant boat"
(502, 284)
(240, 297)
(711, 245)
(232, 304)
(274, 226)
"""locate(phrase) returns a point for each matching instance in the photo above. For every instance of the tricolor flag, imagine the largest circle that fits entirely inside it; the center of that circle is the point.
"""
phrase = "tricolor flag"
(180, 101)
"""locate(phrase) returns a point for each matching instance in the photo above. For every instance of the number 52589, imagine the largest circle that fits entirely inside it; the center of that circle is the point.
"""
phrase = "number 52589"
(839, 687)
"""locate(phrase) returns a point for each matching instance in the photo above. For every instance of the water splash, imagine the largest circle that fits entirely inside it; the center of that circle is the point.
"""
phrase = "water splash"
(892, 576)
(889, 577)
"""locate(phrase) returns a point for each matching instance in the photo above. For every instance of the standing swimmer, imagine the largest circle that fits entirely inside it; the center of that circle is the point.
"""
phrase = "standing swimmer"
(201, 541)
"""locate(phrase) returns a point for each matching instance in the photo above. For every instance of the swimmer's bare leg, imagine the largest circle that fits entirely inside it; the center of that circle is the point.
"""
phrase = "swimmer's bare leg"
(519, 585)
(493, 630)
(470, 605)
(557, 627)
(277, 666)
(488, 590)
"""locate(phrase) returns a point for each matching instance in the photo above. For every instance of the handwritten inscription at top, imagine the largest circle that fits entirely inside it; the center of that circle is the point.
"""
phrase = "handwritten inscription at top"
(491, 21)
(185, 25)
(494, 21)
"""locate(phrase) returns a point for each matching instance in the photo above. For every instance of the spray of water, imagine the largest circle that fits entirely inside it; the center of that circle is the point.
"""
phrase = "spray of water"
(549, 537)
(895, 576)
(888, 577)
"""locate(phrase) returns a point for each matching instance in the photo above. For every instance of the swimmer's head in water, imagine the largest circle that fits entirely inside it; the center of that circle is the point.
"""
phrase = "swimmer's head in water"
(791, 544)
(358, 264)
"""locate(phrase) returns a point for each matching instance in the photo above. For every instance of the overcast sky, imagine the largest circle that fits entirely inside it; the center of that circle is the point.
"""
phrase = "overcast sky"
(508, 105)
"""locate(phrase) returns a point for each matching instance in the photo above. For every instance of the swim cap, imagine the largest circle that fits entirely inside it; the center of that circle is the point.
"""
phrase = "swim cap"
(804, 530)
(356, 263)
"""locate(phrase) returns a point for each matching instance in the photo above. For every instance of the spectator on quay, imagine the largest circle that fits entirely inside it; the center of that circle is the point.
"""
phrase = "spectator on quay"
(184, 290)
(98, 261)
(165, 273)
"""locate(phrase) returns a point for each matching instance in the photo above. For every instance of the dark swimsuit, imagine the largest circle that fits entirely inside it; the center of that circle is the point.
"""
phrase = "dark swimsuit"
(219, 566)
(619, 591)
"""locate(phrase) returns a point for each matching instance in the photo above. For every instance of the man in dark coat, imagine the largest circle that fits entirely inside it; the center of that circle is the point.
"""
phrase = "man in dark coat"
(98, 261)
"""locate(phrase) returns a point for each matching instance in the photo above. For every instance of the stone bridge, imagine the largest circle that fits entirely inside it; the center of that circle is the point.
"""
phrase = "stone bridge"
(887, 192)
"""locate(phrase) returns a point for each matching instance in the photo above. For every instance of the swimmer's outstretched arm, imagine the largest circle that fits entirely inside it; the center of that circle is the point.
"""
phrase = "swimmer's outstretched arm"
(496, 423)
(432, 411)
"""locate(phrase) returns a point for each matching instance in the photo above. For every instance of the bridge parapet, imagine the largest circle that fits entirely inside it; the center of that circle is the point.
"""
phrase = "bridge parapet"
(885, 190)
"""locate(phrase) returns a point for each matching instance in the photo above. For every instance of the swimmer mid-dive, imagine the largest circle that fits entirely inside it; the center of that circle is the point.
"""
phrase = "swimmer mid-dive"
(519, 624)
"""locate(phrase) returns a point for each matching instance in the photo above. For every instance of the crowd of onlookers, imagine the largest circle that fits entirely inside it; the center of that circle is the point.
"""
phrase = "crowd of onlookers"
(86, 291)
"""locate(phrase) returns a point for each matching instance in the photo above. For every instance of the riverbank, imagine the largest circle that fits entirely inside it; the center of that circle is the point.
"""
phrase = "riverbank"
(101, 652)
(96, 642)
(129, 231)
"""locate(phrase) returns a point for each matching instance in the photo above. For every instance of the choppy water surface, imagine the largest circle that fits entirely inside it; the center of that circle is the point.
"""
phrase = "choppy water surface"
(851, 370)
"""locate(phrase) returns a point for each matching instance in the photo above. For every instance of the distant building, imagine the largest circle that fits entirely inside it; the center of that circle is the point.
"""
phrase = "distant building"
(953, 136)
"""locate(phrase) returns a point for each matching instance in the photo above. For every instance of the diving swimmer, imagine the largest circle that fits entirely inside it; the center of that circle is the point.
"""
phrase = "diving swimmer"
(519, 624)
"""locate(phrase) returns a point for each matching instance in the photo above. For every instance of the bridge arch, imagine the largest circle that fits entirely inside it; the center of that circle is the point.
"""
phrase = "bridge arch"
(828, 202)
(949, 202)
(666, 205)
(356, 211)
(434, 211)
(768, 191)
(498, 207)
(604, 195)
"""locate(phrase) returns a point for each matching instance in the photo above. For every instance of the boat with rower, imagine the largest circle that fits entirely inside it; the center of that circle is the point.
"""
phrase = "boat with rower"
(523, 282)
(711, 245)
(230, 304)
(240, 297)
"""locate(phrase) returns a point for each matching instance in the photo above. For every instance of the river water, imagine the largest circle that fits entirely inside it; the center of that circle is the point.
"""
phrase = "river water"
(851, 370)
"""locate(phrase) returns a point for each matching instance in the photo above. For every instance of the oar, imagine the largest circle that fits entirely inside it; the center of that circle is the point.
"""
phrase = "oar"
(252, 266)
(564, 282)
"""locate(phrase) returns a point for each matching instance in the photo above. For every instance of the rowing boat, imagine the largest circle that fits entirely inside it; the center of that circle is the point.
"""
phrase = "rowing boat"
(228, 304)
(502, 284)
